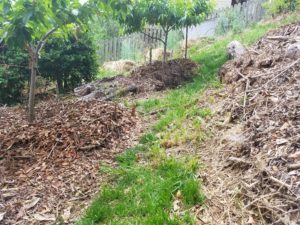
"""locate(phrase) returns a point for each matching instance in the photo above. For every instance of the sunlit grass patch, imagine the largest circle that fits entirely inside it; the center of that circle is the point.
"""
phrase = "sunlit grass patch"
(143, 187)
(176, 104)
(144, 193)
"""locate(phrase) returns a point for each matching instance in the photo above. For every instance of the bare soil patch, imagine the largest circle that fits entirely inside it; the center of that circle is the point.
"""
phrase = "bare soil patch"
(49, 170)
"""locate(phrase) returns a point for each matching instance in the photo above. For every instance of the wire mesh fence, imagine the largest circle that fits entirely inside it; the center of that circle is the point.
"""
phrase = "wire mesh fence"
(135, 46)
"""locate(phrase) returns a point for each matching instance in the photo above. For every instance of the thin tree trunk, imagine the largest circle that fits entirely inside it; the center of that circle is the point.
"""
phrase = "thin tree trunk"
(150, 55)
(165, 46)
(59, 85)
(186, 42)
(33, 52)
(66, 86)
(34, 61)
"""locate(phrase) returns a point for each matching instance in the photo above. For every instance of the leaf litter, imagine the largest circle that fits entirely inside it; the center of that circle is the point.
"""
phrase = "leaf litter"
(49, 170)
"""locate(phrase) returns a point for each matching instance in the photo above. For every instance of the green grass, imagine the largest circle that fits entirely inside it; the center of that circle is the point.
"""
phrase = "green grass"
(176, 105)
(102, 73)
(143, 193)
(143, 187)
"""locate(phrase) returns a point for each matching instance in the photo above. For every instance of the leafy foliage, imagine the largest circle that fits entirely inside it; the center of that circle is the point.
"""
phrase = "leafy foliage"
(27, 21)
(14, 72)
(230, 20)
(28, 24)
(104, 28)
(79, 61)
(168, 14)
(280, 6)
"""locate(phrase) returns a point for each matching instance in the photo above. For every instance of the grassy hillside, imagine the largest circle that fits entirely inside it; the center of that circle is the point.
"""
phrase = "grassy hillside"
(149, 186)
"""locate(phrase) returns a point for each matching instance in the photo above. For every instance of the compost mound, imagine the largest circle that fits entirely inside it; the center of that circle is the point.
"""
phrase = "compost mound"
(148, 78)
(50, 168)
(66, 126)
(264, 96)
(170, 75)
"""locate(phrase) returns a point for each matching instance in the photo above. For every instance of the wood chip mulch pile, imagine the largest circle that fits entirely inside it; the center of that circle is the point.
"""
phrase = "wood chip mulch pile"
(264, 97)
(144, 79)
(49, 170)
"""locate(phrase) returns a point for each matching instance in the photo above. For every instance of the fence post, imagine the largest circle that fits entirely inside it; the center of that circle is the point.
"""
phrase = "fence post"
(111, 49)
(151, 55)
(115, 48)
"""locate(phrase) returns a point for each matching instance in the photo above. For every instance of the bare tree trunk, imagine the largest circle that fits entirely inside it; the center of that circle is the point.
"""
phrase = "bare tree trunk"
(34, 61)
(186, 42)
(59, 83)
(165, 46)
(34, 52)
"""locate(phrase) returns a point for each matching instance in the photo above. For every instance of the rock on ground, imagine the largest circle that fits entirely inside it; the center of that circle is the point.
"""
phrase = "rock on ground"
(235, 50)
(293, 51)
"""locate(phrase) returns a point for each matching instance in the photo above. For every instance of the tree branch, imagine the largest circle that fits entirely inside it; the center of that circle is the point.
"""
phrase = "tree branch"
(29, 48)
(155, 38)
(44, 38)
(171, 27)
(164, 29)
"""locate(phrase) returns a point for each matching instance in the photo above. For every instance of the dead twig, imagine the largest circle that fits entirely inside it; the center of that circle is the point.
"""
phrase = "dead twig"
(245, 93)
(259, 199)
(239, 160)
(280, 38)
(89, 147)
(295, 166)
(281, 183)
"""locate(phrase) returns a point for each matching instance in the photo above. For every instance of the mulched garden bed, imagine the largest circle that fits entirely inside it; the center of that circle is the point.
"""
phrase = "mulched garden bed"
(49, 170)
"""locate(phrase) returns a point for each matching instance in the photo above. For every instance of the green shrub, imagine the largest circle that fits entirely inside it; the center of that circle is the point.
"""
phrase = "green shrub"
(230, 20)
(175, 38)
(281, 6)
(130, 51)
(69, 61)
(13, 74)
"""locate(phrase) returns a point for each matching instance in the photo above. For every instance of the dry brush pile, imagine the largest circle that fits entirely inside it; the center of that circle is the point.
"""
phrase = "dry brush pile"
(49, 167)
(264, 97)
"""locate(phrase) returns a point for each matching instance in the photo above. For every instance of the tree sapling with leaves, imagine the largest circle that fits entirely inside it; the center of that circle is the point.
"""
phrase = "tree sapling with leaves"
(168, 14)
(29, 23)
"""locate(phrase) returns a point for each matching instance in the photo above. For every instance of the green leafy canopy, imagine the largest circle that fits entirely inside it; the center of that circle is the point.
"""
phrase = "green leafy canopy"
(169, 14)
(27, 21)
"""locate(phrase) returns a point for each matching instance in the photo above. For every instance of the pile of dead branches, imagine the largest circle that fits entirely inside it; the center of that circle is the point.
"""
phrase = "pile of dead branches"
(264, 96)
(49, 169)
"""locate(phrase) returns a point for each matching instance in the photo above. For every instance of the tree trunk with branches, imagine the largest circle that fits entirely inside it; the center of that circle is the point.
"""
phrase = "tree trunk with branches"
(33, 62)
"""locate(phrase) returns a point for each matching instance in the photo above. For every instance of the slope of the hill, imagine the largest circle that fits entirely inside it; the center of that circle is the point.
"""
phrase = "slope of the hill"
(155, 181)
(255, 153)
